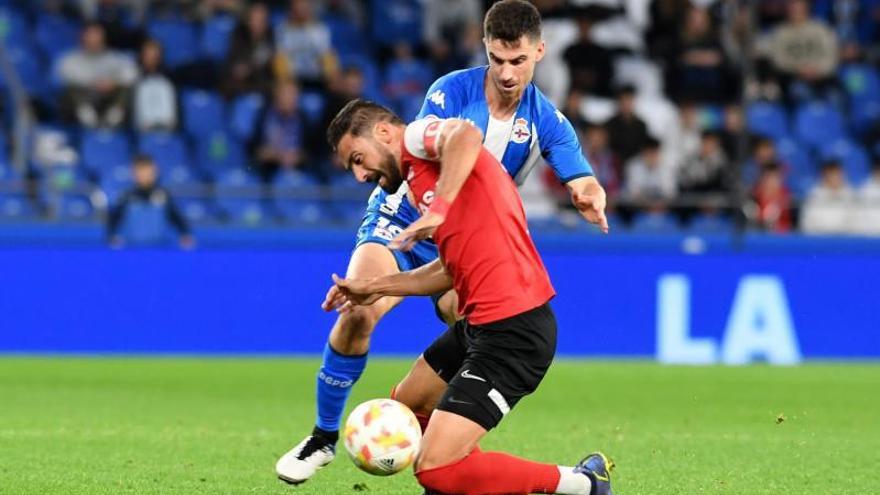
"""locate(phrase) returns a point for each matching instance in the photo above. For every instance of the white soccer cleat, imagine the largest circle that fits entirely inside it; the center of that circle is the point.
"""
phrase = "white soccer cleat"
(304, 460)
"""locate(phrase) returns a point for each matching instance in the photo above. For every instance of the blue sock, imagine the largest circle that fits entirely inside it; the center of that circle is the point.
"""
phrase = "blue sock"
(335, 379)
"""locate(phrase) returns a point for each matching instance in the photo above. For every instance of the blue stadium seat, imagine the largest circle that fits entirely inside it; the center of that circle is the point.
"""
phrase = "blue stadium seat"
(396, 20)
(75, 207)
(220, 152)
(28, 64)
(103, 150)
(710, 224)
(179, 175)
(802, 170)
(767, 119)
(816, 123)
(297, 210)
(312, 105)
(15, 207)
(346, 37)
(216, 34)
(239, 196)
(654, 223)
(371, 73)
(115, 182)
(854, 159)
(167, 149)
(56, 34)
(179, 40)
(862, 83)
(203, 112)
(195, 210)
(245, 119)
(15, 30)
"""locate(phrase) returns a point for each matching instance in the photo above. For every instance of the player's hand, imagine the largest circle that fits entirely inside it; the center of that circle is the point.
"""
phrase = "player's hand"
(419, 230)
(346, 293)
(590, 202)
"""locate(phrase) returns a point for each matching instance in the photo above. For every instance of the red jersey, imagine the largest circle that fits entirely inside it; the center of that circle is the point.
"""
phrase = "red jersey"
(484, 242)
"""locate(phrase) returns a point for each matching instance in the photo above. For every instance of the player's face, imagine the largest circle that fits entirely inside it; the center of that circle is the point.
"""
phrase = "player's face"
(512, 65)
(370, 161)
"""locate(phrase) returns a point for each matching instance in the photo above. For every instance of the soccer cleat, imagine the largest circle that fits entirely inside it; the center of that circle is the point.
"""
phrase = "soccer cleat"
(598, 468)
(301, 462)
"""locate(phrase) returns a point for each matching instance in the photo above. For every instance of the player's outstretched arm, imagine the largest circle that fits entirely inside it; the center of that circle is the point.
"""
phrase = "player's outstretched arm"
(423, 281)
(588, 197)
(457, 146)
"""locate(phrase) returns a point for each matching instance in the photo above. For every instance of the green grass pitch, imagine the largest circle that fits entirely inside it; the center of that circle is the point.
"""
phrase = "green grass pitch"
(185, 426)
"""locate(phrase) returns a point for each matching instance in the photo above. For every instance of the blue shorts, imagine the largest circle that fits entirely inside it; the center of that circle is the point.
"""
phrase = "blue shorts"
(387, 216)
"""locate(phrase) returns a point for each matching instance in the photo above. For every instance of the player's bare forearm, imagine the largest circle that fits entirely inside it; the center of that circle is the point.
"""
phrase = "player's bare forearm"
(423, 281)
(588, 196)
(460, 145)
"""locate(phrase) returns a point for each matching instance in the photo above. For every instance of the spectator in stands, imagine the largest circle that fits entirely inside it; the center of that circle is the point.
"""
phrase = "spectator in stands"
(705, 172)
(829, 206)
(594, 139)
(147, 193)
(450, 29)
(699, 68)
(772, 200)
(155, 100)
(868, 217)
(804, 51)
(346, 86)
(281, 145)
(733, 128)
(648, 179)
(304, 42)
(590, 66)
(660, 38)
(572, 108)
(97, 81)
(687, 142)
(763, 156)
(248, 65)
(627, 132)
(120, 20)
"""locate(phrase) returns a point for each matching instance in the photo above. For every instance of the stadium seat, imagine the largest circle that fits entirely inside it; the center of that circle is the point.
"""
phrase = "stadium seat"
(286, 186)
(178, 38)
(396, 20)
(220, 152)
(346, 37)
(816, 123)
(203, 112)
(166, 149)
(854, 159)
(239, 196)
(709, 224)
(767, 119)
(371, 73)
(14, 204)
(27, 63)
(115, 182)
(654, 223)
(312, 105)
(862, 83)
(216, 33)
(75, 207)
(103, 150)
(15, 30)
(802, 169)
(195, 210)
(56, 34)
(245, 119)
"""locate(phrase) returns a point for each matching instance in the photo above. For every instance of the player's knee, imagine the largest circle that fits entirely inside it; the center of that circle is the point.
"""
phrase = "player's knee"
(360, 321)
(429, 458)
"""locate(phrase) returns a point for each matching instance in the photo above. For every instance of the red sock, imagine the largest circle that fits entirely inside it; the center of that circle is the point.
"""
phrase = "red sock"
(491, 473)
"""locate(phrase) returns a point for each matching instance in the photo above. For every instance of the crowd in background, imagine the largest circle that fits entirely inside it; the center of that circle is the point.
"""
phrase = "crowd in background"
(691, 112)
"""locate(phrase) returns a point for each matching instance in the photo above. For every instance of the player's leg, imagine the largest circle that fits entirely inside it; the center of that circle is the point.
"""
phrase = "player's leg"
(344, 360)
(504, 362)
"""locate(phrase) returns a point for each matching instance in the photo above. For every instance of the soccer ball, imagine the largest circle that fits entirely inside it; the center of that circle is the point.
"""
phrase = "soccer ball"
(382, 436)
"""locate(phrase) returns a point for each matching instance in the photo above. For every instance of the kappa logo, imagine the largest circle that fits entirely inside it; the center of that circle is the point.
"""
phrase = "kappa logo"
(521, 132)
(438, 98)
(467, 374)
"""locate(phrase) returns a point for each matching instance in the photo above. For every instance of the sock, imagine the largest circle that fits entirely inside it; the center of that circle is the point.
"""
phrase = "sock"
(337, 375)
(571, 483)
(491, 473)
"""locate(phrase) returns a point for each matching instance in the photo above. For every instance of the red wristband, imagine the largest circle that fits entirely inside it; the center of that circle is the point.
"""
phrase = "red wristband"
(439, 207)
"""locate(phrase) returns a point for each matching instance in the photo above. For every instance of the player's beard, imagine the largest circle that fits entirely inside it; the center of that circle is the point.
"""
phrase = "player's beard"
(390, 172)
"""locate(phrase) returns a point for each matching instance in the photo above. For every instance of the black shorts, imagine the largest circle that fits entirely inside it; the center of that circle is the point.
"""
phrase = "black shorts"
(489, 368)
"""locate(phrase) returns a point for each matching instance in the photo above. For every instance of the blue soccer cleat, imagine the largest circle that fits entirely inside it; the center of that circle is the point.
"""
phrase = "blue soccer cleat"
(598, 468)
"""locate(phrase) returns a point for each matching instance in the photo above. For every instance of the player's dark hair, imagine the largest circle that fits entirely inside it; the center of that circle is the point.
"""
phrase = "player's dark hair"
(509, 20)
(358, 117)
(142, 159)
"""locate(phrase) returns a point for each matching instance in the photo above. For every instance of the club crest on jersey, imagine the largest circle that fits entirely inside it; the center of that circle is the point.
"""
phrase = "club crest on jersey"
(520, 133)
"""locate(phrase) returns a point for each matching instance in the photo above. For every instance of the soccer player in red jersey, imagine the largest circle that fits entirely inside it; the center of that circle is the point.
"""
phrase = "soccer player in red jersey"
(499, 352)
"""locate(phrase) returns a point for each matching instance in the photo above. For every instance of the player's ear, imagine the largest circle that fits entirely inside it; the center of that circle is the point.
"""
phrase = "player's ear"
(539, 54)
(382, 132)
